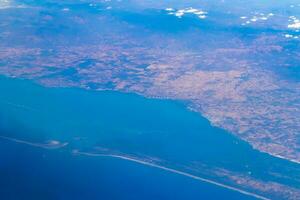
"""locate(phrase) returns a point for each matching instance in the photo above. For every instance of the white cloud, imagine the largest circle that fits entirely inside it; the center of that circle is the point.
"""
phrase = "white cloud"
(191, 10)
(169, 9)
(290, 36)
(294, 25)
(256, 17)
(295, 22)
(181, 12)
(5, 4)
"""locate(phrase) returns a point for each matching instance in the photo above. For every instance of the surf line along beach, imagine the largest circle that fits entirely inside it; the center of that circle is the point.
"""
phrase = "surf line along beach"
(142, 162)
(135, 160)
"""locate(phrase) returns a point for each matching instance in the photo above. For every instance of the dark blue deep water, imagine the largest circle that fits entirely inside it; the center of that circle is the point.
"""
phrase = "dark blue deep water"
(124, 123)
(28, 173)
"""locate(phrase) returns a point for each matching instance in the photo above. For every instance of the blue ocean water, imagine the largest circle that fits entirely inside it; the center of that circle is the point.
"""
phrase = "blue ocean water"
(30, 173)
(127, 124)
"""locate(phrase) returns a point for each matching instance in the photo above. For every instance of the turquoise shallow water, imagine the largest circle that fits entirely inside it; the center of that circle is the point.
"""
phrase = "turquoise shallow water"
(159, 131)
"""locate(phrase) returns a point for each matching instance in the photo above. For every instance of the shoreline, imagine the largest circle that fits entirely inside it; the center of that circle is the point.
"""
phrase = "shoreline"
(191, 109)
(52, 144)
(149, 164)
(57, 145)
(271, 154)
(141, 94)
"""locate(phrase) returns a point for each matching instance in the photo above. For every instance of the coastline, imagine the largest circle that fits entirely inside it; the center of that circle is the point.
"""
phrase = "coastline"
(191, 109)
(52, 144)
(138, 161)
